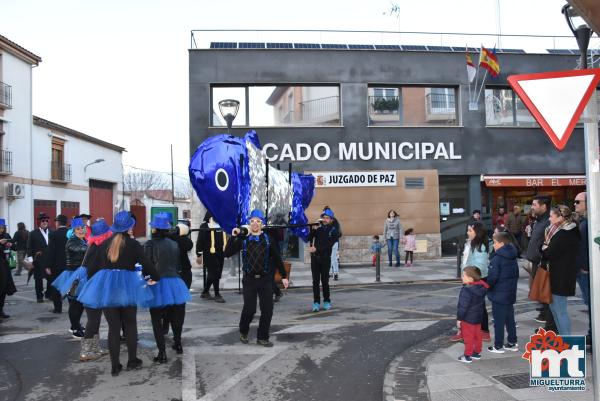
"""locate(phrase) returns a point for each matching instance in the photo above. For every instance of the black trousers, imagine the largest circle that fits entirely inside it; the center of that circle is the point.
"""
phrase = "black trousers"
(485, 321)
(2, 299)
(75, 312)
(550, 323)
(38, 278)
(262, 288)
(319, 266)
(115, 317)
(55, 295)
(409, 255)
(212, 281)
(174, 314)
(186, 276)
(92, 327)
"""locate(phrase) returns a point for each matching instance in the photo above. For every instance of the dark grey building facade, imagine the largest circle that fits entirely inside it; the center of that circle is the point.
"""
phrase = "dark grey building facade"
(376, 98)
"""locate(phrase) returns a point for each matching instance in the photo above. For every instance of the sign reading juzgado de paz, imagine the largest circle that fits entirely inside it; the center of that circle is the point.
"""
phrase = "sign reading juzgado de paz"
(355, 179)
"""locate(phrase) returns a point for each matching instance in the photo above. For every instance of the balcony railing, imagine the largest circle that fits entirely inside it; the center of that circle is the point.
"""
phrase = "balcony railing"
(318, 110)
(5, 96)
(440, 103)
(5, 162)
(60, 172)
(384, 104)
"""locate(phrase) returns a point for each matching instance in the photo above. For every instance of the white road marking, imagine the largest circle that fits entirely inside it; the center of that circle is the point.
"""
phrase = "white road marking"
(308, 328)
(15, 338)
(188, 380)
(408, 326)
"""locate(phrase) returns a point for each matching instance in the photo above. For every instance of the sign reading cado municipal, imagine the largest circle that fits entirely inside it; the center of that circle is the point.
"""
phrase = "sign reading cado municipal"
(363, 151)
(355, 179)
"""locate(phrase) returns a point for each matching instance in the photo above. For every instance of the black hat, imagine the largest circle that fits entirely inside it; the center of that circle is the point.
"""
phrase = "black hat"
(43, 216)
(62, 219)
(84, 216)
(207, 216)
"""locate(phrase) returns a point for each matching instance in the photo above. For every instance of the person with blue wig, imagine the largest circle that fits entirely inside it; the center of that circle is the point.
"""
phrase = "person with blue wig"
(170, 294)
(116, 287)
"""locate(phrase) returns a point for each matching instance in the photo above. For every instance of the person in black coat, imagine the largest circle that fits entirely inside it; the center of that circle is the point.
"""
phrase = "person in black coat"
(260, 258)
(185, 244)
(559, 255)
(75, 250)
(7, 285)
(210, 247)
(20, 243)
(37, 246)
(322, 241)
(56, 259)
(503, 276)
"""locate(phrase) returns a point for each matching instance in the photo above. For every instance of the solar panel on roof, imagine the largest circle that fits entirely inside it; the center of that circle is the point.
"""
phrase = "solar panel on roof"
(559, 51)
(414, 48)
(251, 45)
(333, 46)
(279, 46)
(223, 45)
(440, 48)
(361, 47)
(510, 51)
(387, 47)
(307, 46)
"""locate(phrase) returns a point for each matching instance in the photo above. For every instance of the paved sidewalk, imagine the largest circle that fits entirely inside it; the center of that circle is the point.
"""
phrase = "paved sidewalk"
(449, 380)
(426, 270)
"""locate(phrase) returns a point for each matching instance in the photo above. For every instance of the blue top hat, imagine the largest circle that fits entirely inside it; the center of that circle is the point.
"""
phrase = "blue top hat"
(256, 214)
(77, 222)
(328, 212)
(161, 221)
(100, 227)
(123, 222)
(2, 222)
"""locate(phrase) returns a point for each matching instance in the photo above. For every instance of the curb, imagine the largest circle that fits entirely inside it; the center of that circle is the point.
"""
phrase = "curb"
(405, 377)
(354, 285)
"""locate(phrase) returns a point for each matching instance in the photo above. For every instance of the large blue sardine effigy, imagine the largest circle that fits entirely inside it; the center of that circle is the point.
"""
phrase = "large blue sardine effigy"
(230, 190)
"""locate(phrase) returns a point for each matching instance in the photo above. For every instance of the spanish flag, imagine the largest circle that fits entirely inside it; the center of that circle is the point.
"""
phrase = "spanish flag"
(489, 61)
(471, 70)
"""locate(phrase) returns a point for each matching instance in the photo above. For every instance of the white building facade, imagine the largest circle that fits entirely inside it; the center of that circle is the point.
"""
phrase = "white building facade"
(44, 166)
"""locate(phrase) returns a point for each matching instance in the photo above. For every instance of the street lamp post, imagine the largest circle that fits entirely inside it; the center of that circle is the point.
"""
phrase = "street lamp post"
(94, 162)
(229, 109)
(582, 34)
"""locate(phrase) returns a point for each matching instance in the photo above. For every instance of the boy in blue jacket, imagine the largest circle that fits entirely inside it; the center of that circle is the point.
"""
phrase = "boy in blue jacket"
(503, 277)
(470, 312)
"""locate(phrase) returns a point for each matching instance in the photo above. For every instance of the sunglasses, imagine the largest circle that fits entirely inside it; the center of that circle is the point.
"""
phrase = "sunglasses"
(44, 221)
(577, 202)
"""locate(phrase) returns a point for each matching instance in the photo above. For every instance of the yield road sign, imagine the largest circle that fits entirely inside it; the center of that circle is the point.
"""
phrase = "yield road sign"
(556, 99)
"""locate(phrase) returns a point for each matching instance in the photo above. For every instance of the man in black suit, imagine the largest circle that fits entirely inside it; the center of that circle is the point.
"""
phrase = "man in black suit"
(56, 259)
(37, 245)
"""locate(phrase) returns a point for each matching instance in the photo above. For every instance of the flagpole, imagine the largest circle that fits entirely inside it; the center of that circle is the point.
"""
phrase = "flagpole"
(468, 78)
(481, 89)
(477, 72)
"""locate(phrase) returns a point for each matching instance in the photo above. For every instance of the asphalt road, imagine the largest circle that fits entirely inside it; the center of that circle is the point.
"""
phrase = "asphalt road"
(341, 354)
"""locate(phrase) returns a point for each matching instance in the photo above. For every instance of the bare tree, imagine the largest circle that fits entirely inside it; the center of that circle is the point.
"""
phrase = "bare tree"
(137, 182)
(183, 189)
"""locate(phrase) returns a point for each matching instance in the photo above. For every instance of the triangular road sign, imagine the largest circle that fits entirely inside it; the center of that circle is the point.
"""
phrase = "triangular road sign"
(556, 99)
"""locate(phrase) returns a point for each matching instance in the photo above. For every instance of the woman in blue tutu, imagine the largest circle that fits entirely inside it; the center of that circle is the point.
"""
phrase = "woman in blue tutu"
(73, 278)
(90, 344)
(170, 293)
(117, 289)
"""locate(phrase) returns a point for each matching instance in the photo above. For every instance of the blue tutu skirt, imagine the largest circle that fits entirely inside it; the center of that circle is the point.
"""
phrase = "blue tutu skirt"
(115, 288)
(169, 291)
(65, 280)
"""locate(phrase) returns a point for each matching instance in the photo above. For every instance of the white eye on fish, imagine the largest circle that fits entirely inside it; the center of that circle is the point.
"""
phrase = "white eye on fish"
(222, 179)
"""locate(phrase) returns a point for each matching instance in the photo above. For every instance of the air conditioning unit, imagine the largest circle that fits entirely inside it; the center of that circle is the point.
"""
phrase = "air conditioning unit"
(15, 191)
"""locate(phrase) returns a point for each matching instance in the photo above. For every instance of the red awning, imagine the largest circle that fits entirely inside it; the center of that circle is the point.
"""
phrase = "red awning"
(534, 181)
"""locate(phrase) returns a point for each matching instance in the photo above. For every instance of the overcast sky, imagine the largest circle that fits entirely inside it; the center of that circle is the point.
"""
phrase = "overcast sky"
(118, 70)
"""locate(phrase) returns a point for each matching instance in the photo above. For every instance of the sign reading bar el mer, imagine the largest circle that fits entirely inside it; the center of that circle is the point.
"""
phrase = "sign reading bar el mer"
(355, 179)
